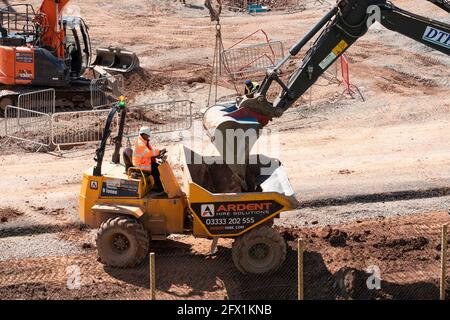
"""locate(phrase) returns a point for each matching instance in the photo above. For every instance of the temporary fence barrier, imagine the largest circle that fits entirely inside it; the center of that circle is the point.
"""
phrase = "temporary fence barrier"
(106, 90)
(277, 5)
(345, 75)
(161, 117)
(74, 128)
(40, 101)
(80, 127)
(28, 126)
(365, 270)
(444, 262)
(240, 61)
(2, 127)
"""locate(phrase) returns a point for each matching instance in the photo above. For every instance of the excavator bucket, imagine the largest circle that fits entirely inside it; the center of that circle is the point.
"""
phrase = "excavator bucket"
(233, 132)
(116, 59)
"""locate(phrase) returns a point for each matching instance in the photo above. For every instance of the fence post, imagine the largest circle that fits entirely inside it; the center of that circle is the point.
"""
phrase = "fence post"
(300, 249)
(443, 262)
(152, 277)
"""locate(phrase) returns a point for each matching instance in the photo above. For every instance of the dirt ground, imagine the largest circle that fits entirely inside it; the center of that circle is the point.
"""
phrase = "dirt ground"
(376, 171)
(338, 260)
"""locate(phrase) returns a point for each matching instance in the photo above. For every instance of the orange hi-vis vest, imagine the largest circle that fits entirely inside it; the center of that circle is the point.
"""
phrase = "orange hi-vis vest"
(143, 154)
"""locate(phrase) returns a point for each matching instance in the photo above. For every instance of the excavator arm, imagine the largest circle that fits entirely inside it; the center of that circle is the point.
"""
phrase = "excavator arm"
(49, 18)
(234, 128)
(340, 28)
(443, 4)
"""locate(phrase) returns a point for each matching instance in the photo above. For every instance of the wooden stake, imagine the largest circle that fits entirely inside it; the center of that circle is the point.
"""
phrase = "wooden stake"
(300, 269)
(444, 247)
(152, 277)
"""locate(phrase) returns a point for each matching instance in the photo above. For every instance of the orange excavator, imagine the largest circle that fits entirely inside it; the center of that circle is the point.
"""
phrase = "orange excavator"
(44, 49)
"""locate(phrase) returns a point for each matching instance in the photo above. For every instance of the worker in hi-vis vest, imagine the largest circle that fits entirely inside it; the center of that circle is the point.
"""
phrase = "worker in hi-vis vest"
(144, 156)
(250, 88)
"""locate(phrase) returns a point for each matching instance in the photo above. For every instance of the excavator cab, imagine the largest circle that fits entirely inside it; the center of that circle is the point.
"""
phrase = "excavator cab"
(78, 45)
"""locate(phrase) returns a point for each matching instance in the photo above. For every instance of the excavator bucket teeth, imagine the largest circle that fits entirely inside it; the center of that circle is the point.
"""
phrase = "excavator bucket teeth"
(116, 59)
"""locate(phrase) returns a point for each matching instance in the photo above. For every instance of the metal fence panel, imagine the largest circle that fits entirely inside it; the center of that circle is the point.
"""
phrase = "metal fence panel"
(28, 125)
(161, 117)
(106, 90)
(41, 101)
(241, 61)
(72, 128)
(2, 127)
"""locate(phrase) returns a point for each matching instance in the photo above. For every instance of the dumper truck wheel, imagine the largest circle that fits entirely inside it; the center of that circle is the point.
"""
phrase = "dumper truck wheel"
(261, 250)
(122, 242)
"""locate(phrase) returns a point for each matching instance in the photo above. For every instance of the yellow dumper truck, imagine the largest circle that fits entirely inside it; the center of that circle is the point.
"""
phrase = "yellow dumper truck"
(129, 213)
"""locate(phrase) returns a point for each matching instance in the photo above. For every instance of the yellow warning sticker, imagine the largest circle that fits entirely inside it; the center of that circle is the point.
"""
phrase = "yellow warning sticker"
(341, 46)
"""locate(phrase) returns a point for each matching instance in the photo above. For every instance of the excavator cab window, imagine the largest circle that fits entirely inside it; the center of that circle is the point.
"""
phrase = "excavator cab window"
(77, 45)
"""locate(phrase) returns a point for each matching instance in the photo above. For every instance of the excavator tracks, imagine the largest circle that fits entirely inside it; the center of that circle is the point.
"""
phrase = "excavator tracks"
(74, 98)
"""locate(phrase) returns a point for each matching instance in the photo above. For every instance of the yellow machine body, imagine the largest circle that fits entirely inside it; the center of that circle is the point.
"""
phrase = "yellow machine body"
(115, 193)
(220, 213)
(213, 214)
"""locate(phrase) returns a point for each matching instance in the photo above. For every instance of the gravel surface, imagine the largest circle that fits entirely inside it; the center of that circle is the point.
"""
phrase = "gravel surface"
(334, 215)
(34, 246)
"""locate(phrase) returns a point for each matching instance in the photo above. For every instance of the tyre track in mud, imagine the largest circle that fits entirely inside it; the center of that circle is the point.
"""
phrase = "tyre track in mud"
(376, 197)
(49, 269)
(51, 278)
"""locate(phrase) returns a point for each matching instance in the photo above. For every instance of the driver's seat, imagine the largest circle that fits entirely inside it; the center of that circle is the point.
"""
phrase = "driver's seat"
(128, 158)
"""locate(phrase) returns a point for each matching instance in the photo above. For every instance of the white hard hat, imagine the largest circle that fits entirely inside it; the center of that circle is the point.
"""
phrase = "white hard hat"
(145, 130)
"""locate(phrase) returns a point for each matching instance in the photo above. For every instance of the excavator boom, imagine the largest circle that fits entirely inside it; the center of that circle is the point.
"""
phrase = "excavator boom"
(337, 31)
(443, 4)
(45, 49)
(345, 24)
(49, 18)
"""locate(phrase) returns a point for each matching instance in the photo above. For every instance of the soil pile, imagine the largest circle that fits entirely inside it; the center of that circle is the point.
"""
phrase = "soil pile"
(142, 80)
(9, 214)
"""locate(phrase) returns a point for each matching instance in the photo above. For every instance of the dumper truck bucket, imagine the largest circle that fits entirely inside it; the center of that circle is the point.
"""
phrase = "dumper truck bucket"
(116, 59)
(212, 194)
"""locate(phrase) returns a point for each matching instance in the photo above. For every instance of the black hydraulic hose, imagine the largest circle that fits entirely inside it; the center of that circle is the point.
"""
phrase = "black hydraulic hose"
(118, 139)
(100, 152)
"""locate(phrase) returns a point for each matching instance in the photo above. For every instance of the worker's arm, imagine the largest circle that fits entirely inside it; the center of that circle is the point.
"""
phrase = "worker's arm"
(157, 152)
(152, 153)
(344, 24)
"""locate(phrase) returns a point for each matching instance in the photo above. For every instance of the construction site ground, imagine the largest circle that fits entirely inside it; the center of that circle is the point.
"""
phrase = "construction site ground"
(372, 176)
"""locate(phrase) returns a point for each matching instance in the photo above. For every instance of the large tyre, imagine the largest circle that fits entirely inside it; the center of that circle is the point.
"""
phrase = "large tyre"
(261, 250)
(122, 242)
